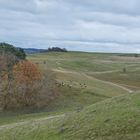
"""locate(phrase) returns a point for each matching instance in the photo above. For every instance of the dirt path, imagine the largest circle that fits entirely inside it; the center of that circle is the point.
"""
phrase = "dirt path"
(122, 87)
(103, 72)
(107, 82)
(64, 71)
(12, 125)
(111, 83)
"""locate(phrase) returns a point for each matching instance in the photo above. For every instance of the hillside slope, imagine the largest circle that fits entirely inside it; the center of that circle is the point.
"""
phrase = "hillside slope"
(79, 89)
(113, 119)
(74, 70)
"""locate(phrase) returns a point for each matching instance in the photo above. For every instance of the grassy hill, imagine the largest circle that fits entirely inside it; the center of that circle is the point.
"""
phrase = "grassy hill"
(113, 119)
(96, 100)
(76, 69)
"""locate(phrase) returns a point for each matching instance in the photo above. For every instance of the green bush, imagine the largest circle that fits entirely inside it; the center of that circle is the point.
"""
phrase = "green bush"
(7, 48)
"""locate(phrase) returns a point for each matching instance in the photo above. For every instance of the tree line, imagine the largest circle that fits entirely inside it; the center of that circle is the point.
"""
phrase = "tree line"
(57, 49)
(8, 48)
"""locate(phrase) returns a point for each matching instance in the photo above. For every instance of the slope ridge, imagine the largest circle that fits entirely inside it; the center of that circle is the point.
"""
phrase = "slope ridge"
(112, 119)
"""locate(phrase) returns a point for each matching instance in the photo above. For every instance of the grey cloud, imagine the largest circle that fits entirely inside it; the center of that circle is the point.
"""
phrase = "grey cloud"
(113, 6)
(79, 25)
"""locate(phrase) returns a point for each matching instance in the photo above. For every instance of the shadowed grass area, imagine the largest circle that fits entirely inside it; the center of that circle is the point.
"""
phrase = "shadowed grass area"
(116, 118)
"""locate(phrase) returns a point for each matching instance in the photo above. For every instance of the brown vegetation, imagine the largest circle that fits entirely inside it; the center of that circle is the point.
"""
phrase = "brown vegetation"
(23, 83)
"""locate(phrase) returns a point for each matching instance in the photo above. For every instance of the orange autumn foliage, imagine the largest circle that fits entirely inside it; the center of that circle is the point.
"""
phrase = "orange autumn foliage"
(26, 72)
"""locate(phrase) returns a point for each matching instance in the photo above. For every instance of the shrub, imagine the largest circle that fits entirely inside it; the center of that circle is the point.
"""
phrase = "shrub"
(28, 80)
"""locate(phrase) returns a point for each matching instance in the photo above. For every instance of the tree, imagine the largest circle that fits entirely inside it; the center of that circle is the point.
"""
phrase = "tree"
(27, 78)
(21, 54)
(136, 55)
(124, 70)
(6, 78)
(9, 56)
(7, 48)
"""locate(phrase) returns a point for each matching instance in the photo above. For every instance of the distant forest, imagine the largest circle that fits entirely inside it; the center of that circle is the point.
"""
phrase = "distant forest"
(20, 52)
(52, 49)
(57, 49)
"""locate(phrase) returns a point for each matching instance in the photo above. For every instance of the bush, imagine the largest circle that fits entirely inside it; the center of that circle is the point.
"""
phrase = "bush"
(27, 78)
(28, 86)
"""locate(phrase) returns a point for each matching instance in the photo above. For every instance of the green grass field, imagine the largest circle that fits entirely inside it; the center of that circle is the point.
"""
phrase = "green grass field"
(97, 101)
(79, 68)
(112, 119)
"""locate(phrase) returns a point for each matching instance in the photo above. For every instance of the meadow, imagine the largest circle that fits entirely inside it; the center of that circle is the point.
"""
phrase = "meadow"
(98, 99)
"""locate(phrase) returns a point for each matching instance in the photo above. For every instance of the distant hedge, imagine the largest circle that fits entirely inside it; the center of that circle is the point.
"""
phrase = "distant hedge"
(56, 49)
(8, 48)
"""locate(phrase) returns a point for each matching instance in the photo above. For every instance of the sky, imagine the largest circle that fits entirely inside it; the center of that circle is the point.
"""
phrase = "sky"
(81, 25)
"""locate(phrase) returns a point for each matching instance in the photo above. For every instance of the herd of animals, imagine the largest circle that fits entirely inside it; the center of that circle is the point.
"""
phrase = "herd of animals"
(70, 84)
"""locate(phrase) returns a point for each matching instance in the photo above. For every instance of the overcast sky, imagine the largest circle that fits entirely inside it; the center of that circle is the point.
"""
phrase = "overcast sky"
(87, 25)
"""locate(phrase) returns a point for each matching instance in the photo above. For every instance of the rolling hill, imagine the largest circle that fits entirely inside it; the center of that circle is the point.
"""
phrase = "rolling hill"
(97, 100)
(112, 119)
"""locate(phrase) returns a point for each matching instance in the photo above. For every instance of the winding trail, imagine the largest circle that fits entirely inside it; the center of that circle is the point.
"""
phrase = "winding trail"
(122, 87)
(13, 125)
(64, 71)
(91, 77)
(104, 72)
(113, 84)
(97, 72)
